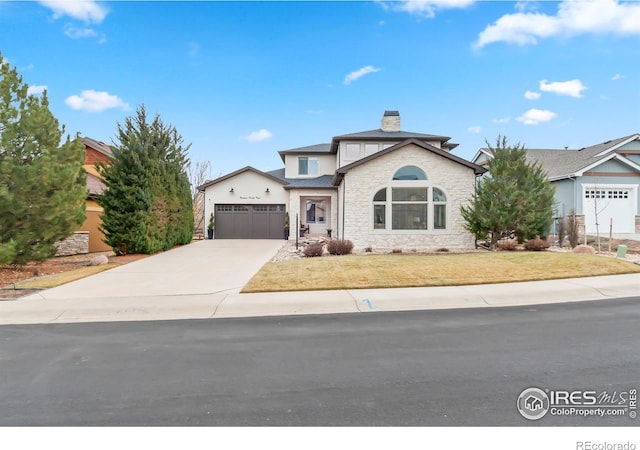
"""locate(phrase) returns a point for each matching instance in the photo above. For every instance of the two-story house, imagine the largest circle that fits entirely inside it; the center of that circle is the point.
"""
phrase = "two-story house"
(383, 188)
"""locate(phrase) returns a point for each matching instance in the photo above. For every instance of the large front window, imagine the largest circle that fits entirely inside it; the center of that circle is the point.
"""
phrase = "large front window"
(307, 166)
(409, 208)
(410, 203)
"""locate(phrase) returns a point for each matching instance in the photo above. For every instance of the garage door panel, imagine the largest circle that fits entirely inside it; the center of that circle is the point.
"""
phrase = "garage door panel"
(605, 205)
(249, 221)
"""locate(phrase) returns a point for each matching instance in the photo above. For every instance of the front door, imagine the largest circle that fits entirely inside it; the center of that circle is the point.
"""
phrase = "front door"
(317, 215)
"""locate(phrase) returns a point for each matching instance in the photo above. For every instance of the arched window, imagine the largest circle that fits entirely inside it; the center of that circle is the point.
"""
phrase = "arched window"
(408, 173)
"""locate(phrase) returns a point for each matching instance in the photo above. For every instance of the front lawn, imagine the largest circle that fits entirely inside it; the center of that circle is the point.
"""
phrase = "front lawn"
(402, 270)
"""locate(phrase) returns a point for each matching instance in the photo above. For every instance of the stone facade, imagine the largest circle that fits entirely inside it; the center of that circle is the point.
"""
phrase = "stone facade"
(76, 244)
(637, 224)
(362, 182)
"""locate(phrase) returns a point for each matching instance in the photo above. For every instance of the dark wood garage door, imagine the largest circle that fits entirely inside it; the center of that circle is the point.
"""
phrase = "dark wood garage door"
(250, 221)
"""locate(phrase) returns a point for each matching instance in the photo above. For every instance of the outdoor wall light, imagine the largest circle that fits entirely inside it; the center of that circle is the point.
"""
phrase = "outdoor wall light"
(231, 190)
(267, 191)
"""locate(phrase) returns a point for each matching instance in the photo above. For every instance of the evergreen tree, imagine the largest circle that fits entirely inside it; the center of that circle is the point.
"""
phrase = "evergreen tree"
(515, 197)
(147, 203)
(43, 188)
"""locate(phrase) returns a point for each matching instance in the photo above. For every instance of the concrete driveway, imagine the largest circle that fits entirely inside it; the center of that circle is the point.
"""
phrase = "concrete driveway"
(203, 267)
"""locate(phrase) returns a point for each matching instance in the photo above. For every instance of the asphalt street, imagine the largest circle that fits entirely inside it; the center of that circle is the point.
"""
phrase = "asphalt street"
(441, 367)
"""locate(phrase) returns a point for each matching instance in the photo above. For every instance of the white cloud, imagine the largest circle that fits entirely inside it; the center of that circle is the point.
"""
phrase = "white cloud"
(475, 129)
(88, 11)
(501, 120)
(536, 116)
(79, 33)
(258, 136)
(573, 18)
(617, 77)
(530, 95)
(35, 90)
(95, 101)
(353, 76)
(425, 8)
(572, 88)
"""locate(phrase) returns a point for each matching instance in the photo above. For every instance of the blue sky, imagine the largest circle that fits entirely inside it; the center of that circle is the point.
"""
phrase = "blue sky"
(242, 80)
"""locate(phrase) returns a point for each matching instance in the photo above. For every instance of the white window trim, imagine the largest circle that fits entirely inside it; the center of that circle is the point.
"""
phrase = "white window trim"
(388, 230)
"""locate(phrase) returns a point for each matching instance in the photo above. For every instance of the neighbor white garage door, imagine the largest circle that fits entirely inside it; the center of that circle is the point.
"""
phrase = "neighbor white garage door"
(604, 204)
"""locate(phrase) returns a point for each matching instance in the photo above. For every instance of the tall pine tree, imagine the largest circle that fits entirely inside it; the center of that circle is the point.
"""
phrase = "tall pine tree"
(515, 197)
(147, 203)
(43, 183)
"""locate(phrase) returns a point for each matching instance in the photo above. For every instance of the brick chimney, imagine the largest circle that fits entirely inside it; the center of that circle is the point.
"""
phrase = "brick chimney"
(391, 121)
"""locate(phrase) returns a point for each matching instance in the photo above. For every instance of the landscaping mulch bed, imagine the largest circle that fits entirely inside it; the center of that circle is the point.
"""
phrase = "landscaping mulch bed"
(10, 274)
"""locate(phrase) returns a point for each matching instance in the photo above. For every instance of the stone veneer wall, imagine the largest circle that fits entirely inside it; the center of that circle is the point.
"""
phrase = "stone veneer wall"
(362, 182)
(637, 224)
(77, 243)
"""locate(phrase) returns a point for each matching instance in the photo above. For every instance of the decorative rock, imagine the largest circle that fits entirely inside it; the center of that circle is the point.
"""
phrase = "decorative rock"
(99, 260)
(582, 248)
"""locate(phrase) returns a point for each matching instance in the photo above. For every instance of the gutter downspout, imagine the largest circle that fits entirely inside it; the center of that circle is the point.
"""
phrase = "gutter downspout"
(344, 195)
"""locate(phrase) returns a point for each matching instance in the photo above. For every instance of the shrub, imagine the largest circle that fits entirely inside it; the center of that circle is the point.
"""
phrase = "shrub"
(572, 229)
(562, 230)
(339, 247)
(396, 250)
(507, 245)
(443, 250)
(536, 245)
(368, 249)
(313, 250)
(582, 248)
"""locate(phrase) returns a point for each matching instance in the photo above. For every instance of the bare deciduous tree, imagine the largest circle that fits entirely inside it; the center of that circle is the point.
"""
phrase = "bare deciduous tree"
(199, 173)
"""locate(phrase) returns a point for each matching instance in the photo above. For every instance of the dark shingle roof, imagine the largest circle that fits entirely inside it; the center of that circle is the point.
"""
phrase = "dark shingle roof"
(321, 182)
(561, 163)
(380, 135)
(309, 149)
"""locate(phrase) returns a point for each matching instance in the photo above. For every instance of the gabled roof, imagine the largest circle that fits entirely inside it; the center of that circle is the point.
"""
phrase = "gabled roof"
(564, 163)
(205, 185)
(309, 150)
(379, 135)
(445, 154)
(98, 146)
(321, 182)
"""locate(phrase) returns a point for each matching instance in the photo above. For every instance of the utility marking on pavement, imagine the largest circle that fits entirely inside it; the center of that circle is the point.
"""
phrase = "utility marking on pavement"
(368, 303)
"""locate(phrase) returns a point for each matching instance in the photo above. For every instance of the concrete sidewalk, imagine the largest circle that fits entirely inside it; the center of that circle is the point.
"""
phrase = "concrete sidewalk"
(129, 307)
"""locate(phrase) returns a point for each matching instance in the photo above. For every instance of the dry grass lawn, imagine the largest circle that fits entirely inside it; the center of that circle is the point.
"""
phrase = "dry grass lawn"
(54, 280)
(402, 270)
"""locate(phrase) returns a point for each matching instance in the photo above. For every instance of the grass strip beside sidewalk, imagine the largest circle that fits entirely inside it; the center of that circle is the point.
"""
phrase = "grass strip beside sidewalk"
(406, 270)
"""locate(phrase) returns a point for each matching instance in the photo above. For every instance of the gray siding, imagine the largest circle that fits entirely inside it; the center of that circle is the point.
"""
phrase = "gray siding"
(566, 197)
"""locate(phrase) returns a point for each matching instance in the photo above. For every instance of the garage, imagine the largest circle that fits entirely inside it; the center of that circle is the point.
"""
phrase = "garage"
(604, 204)
(250, 221)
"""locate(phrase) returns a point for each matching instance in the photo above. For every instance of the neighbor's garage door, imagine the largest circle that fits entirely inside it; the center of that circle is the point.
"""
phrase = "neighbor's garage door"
(250, 221)
(608, 204)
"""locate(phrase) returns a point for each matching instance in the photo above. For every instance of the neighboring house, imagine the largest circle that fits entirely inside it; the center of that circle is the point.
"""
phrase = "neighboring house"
(96, 151)
(599, 182)
(383, 188)
(88, 237)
